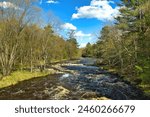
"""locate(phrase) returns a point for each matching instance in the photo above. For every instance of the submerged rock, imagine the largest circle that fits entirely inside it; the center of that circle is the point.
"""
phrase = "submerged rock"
(61, 93)
(101, 98)
(88, 95)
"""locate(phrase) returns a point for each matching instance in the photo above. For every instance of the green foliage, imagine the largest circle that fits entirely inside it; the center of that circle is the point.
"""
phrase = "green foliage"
(125, 46)
(71, 45)
(90, 50)
(138, 68)
(87, 52)
(25, 44)
(145, 74)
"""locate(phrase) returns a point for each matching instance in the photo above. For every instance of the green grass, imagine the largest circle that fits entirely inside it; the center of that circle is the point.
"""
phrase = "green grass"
(147, 93)
(17, 76)
(55, 61)
(146, 89)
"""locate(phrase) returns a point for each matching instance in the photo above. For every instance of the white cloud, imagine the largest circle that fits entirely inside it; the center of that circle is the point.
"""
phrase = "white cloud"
(52, 2)
(82, 45)
(99, 9)
(69, 26)
(48, 2)
(83, 38)
(81, 34)
(5, 4)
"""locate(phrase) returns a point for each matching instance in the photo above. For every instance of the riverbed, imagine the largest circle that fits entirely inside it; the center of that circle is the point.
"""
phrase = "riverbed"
(76, 80)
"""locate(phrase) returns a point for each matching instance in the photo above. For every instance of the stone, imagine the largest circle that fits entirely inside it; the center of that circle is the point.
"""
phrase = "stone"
(89, 95)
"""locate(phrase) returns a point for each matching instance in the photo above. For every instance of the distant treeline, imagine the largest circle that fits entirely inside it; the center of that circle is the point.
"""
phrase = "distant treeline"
(125, 46)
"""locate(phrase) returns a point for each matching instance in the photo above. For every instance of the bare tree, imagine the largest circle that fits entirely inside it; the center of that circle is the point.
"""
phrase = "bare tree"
(13, 22)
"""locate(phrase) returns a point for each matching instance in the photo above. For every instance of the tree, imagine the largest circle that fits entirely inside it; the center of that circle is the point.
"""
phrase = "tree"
(72, 45)
(88, 51)
(24, 44)
(125, 45)
(13, 22)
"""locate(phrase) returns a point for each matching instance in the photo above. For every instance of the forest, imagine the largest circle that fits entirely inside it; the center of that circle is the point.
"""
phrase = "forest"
(25, 44)
(28, 47)
(124, 47)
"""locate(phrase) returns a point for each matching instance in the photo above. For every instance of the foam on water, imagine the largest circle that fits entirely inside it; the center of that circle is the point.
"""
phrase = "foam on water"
(65, 75)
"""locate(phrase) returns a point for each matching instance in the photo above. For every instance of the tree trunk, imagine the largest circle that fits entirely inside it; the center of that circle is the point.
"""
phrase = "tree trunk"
(31, 62)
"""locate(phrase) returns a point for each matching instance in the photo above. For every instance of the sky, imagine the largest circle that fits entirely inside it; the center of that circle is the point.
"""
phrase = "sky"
(86, 17)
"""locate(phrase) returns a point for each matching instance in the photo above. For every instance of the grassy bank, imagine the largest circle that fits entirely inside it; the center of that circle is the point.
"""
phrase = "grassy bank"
(146, 89)
(18, 76)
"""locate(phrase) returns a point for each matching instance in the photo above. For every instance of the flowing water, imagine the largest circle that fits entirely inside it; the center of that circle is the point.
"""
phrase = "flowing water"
(79, 80)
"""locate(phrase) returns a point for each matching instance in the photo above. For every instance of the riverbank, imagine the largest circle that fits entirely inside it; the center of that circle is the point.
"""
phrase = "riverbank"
(137, 82)
(74, 80)
(19, 76)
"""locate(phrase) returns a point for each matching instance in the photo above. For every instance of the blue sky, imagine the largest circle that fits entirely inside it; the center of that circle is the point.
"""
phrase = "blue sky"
(86, 17)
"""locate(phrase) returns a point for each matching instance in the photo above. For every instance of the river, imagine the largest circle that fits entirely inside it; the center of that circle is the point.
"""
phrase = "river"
(78, 79)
